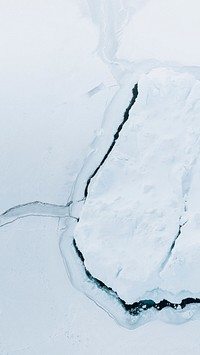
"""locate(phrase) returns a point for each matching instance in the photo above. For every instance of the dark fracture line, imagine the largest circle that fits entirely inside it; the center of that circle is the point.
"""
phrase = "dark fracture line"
(116, 136)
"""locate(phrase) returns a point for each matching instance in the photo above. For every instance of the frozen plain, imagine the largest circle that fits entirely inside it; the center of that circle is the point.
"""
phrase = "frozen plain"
(58, 81)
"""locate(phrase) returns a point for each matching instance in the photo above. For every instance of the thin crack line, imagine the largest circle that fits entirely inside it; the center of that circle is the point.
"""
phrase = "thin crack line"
(35, 215)
(172, 247)
(35, 203)
(35, 208)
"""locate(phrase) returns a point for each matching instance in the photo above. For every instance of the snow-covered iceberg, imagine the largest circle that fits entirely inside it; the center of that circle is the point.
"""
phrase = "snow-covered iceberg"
(138, 228)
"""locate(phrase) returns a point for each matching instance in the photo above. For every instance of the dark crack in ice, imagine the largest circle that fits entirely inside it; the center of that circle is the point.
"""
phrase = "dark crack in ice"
(115, 138)
(135, 308)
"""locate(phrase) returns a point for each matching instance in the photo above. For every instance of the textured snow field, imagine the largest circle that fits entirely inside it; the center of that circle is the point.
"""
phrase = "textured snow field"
(61, 65)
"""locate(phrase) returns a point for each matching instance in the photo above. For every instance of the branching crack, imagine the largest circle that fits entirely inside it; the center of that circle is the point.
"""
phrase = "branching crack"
(35, 208)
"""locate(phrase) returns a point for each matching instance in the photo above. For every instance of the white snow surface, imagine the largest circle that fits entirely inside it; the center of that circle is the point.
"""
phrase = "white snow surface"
(48, 69)
(164, 30)
(146, 189)
(67, 69)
